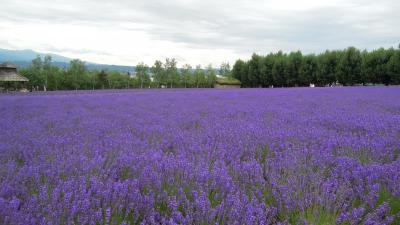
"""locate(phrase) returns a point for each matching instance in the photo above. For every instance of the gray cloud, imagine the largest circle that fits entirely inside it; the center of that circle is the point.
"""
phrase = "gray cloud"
(239, 26)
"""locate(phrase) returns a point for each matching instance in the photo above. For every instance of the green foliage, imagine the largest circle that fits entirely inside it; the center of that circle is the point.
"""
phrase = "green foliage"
(199, 77)
(253, 71)
(102, 79)
(293, 65)
(43, 75)
(187, 76)
(158, 73)
(225, 70)
(318, 216)
(76, 74)
(142, 75)
(348, 67)
(162, 208)
(239, 71)
(327, 67)
(171, 75)
(212, 197)
(125, 173)
(278, 70)
(265, 66)
(314, 215)
(394, 203)
(308, 70)
(210, 76)
(393, 67)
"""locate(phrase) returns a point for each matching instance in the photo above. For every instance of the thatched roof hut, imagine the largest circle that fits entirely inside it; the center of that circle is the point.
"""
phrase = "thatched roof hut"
(9, 73)
(227, 83)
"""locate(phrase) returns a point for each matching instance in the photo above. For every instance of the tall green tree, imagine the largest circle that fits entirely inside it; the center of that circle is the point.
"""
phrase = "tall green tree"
(199, 77)
(327, 64)
(186, 75)
(102, 79)
(211, 76)
(142, 74)
(349, 67)
(393, 67)
(76, 74)
(36, 73)
(171, 72)
(292, 69)
(308, 70)
(239, 71)
(382, 68)
(265, 67)
(225, 69)
(278, 70)
(158, 73)
(253, 73)
(46, 70)
(119, 81)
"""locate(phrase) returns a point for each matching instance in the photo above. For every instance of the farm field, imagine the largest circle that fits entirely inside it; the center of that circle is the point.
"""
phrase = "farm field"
(247, 156)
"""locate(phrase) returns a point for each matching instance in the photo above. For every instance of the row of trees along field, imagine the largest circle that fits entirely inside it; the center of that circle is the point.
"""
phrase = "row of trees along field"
(43, 75)
(348, 67)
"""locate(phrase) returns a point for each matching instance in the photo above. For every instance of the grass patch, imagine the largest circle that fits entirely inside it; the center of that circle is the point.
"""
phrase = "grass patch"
(19, 161)
(162, 208)
(269, 197)
(394, 203)
(212, 197)
(119, 216)
(188, 193)
(322, 217)
(125, 173)
(169, 189)
(317, 216)
(396, 154)
(262, 154)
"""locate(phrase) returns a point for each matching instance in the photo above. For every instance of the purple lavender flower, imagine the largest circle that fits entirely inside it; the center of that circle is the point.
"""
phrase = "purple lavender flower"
(249, 156)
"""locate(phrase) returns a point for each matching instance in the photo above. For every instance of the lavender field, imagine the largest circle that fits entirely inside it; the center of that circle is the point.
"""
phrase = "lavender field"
(250, 156)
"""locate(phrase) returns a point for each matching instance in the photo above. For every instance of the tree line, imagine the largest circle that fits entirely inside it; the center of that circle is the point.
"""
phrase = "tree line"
(350, 66)
(43, 75)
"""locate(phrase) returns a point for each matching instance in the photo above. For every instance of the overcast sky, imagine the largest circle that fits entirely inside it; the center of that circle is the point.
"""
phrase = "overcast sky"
(196, 32)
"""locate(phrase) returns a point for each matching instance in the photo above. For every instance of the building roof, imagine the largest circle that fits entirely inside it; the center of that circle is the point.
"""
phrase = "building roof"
(227, 81)
(8, 65)
(12, 77)
(8, 72)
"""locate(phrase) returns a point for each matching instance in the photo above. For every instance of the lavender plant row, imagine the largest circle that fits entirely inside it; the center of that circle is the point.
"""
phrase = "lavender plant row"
(250, 156)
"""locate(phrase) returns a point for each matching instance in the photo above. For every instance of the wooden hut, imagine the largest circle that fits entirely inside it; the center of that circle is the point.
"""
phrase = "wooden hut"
(227, 83)
(9, 75)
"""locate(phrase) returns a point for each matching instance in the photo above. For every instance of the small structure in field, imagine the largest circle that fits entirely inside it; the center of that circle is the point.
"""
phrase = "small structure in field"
(227, 83)
(9, 77)
(9, 73)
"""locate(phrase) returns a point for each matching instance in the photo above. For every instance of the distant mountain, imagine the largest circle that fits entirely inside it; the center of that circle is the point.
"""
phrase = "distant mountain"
(23, 58)
(28, 55)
